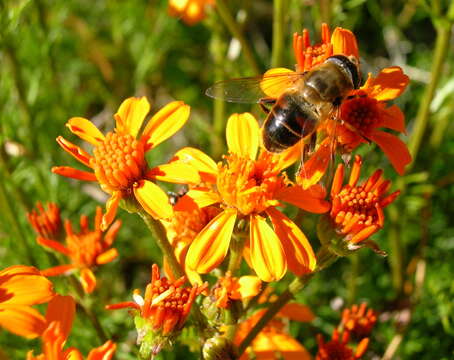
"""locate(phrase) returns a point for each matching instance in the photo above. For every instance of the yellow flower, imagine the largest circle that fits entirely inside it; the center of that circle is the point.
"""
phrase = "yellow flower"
(118, 161)
(250, 187)
(190, 11)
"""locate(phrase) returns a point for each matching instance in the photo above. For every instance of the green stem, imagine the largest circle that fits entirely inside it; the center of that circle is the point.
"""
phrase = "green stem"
(235, 31)
(441, 48)
(278, 33)
(159, 234)
(396, 256)
(353, 278)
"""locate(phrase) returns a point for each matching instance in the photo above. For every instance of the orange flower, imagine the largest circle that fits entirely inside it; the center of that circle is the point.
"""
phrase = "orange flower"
(86, 249)
(46, 223)
(190, 11)
(232, 288)
(162, 311)
(359, 321)
(59, 319)
(20, 287)
(357, 210)
(274, 338)
(118, 161)
(342, 42)
(337, 348)
(250, 187)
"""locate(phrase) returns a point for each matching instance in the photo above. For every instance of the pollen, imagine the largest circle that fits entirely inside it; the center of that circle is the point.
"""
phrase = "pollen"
(362, 113)
(119, 161)
(249, 185)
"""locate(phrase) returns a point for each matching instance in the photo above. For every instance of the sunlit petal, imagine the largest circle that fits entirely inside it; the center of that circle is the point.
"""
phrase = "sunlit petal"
(344, 42)
(210, 246)
(205, 165)
(74, 150)
(72, 173)
(274, 85)
(153, 199)
(131, 115)
(86, 130)
(62, 309)
(22, 320)
(311, 200)
(107, 256)
(174, 172)
(166, 122)
(297, 312)
(111, 210)
(267, 254)
(243, 135)
(389, 84)
(202, 197)
(249, 286)
(88, 280)
(103, 352)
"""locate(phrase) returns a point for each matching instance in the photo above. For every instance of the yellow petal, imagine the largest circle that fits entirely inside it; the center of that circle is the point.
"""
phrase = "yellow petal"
(107, 256)
(22, 320)
(249, 286)
(175, 172)
(153, 199)
(205, 165)
(202, 197)
(300, 256)
(62, 309)
(131, 115)
(291, 155)
(243, 135)
(267, 254)
(166, 122)
(276, 81)
(88, 280)
(210, 246)
(86, 130)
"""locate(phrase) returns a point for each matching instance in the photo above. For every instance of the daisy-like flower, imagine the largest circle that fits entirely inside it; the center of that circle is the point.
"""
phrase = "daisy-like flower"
(118, 161)
(190, 11)
(357, 210)
(59, 319)
(231, 288)
(20, 287)
(250, 187)
(274, 341)
(86, 249)
(359, 320)
(162, 311)
(46, 222)
(338, 348)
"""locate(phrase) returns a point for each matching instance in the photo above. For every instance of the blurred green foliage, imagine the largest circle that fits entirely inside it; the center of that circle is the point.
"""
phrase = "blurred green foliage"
(60, 59)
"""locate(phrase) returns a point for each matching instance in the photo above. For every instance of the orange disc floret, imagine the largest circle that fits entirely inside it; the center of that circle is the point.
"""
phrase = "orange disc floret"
(337, 348)
(357, 210)
(46, 222)
(359, 320)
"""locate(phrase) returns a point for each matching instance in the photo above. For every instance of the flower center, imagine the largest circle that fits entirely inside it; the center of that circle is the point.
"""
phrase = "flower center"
(85, 248)
(357, 207)
(361, 113)
(249, 185)
(119, 161)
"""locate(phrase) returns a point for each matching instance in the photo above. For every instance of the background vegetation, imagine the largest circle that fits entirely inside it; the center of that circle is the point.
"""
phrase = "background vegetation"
(60, 59)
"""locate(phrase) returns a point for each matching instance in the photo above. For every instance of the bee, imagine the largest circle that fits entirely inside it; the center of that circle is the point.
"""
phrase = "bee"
(310, 98)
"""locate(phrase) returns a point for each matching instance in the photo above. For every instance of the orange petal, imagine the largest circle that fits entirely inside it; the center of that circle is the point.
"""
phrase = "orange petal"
(107, 256)
(62, 309)
(267, 254)
(389, 84)
(153, 200)
(111, 210)
(274, 85)
(88, 280)
(22, 320)
(311, 200)
(243, 135)
(394, 148)
(104, 352)
(202, 197)
(198, 159)
(175, 172)
(344, 42)
(166, 122)
(291, 155)
(131, 115)
(313, 169)
(74, 173)
(297, 312)
(268, 344)
(54, 245)
(298, 251)
(210, 246)
(74, 150)
(72, 354)
(58, 270)
(86, 130)
(24, 285)
(393, 118)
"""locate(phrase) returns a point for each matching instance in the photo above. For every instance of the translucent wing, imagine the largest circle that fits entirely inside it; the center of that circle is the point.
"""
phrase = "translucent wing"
(252, 89)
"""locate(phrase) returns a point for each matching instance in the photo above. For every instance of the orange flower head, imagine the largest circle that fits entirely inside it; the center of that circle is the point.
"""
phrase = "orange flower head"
(356, 211)
(118, 162)
(190, 11)
(232, 288)
(86, 249)
(359, 320)
(337, 348)
(307, 56)
(249, 187)
(46, 222)
(163, 310)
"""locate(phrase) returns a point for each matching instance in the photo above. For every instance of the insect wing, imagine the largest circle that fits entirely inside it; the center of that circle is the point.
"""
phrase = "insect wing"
(252, 89)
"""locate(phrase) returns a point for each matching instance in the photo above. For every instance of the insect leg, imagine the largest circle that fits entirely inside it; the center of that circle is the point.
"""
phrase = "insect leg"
(266, 102)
